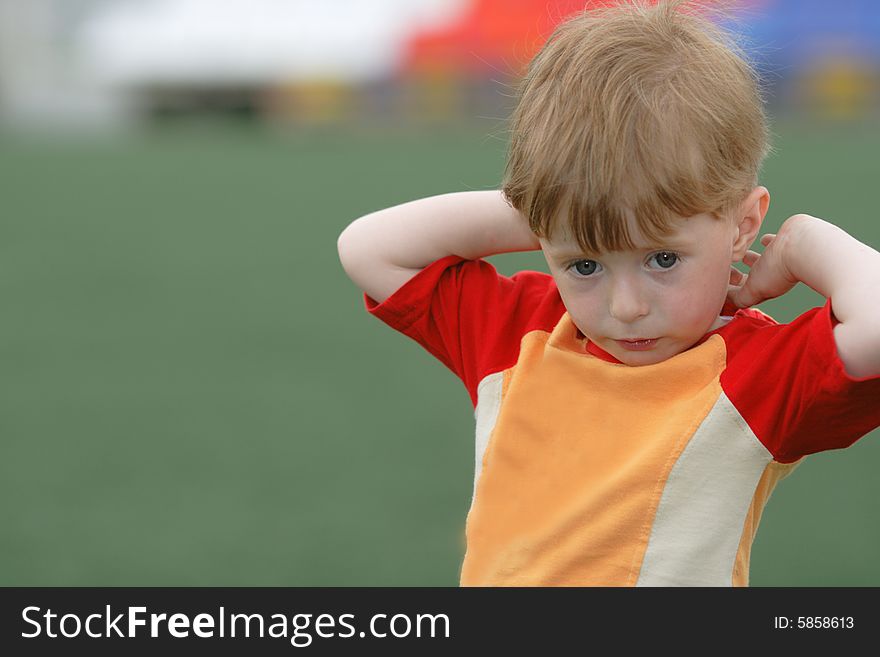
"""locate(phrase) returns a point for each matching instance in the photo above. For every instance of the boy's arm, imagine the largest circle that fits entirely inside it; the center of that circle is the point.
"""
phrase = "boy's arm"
(384, 249)
(837, 266)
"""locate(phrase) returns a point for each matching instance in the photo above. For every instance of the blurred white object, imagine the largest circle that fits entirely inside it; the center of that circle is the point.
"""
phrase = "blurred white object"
(252, 42)
(41, 84)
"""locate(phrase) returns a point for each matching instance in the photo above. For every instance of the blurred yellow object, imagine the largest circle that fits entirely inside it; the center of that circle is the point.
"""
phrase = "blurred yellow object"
(311, 101)
(840, 88)
(433, 95)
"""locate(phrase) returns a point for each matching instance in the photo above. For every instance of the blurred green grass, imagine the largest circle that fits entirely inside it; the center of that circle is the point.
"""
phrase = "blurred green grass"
(192, 393)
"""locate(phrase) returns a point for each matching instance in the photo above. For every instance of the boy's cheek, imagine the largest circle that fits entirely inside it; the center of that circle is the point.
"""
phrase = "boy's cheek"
(691, 312)
(706, 294)
(584, 309)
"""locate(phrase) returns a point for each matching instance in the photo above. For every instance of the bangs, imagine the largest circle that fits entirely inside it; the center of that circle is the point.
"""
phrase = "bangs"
(649, 171)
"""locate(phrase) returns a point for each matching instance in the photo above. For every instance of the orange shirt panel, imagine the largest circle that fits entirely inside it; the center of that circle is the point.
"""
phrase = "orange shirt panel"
(574, 470)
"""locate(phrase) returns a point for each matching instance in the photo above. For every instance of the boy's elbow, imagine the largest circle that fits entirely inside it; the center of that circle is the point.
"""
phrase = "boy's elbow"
(357, 253)
(365, 267)
(346, 247)
(342, 243)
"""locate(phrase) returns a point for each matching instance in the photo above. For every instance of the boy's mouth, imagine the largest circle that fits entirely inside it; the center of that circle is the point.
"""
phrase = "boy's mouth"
(640, 344)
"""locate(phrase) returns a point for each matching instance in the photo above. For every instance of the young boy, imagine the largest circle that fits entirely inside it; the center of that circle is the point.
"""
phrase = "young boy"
(633, 413)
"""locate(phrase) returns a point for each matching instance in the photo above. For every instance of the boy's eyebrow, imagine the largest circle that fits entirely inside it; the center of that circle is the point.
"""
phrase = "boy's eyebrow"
(568, 255)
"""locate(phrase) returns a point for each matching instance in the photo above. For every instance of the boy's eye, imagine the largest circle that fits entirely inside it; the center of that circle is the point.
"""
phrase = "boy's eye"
(585, 267)
(665, 259)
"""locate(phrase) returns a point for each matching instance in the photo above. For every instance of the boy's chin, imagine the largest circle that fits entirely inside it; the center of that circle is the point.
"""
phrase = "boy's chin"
(640, 358)
(658, 354)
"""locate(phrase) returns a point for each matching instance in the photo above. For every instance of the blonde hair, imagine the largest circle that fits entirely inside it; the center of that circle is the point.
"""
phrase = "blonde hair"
(636, 107)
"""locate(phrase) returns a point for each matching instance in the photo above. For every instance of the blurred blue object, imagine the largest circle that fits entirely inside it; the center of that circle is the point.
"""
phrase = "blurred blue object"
(815, 55)
(788, 36)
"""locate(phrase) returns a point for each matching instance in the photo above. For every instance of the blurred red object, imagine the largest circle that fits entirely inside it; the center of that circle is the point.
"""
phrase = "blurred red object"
(491, 37)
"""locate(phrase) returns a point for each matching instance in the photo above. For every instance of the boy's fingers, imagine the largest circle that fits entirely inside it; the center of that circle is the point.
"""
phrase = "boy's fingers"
(766, 239)
(751, 257)
(742, 297)
(737, 291)
(735, 296)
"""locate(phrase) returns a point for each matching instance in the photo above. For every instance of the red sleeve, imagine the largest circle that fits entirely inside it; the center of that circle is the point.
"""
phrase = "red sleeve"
(469, 316)
(788, 382)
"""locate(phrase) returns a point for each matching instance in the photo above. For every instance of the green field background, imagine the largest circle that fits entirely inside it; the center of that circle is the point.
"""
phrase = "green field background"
(191, 392)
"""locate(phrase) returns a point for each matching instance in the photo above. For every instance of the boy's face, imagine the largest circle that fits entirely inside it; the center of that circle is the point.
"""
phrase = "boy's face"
(670, 293)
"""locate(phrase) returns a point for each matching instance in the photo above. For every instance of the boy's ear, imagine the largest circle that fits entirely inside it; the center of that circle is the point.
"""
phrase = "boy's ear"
(748, 219)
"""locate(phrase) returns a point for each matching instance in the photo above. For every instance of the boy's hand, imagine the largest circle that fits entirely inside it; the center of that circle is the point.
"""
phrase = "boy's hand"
(831, 262)
(768, 276)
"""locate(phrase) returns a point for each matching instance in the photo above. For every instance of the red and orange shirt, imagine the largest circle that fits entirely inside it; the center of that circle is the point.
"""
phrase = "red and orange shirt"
(589, 472)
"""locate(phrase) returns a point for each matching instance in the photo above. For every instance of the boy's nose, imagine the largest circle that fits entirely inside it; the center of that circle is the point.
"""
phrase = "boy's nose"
(626, 303)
